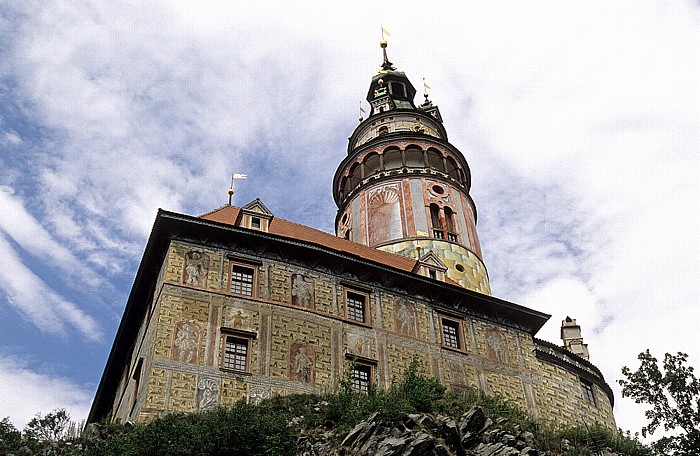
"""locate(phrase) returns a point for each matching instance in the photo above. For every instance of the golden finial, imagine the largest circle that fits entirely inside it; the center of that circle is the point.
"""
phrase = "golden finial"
(231, 189)
(362, 111)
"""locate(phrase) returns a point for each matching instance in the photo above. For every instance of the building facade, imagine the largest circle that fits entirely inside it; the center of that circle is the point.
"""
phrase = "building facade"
(238, 304)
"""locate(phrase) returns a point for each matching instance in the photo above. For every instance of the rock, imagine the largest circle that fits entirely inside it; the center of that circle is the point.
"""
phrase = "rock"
(527, 437)
(361, 431)
(473, 421)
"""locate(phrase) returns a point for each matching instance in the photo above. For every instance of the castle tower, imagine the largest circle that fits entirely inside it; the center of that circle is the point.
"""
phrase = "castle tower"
(403, 188)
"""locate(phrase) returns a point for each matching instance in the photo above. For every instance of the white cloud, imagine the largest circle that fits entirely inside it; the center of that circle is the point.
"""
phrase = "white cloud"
(26, 231)
(36, 302)
(11, 137)
(26, 392)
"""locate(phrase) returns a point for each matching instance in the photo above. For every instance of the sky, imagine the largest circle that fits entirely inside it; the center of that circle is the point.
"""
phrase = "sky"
(580, 122)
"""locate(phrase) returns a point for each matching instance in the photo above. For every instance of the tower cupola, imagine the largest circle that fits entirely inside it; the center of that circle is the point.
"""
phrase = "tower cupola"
(403, 188)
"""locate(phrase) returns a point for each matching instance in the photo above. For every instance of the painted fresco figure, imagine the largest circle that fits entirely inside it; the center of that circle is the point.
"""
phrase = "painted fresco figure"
(404, 318)
(196, 265)
(497, 346)
(302, 291)
(186, 341)
(302, 365)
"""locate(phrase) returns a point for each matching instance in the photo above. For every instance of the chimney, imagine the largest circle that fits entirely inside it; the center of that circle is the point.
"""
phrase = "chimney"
(571, 336)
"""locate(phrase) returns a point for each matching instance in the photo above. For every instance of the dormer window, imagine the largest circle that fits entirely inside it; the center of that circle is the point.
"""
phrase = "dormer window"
(383, 130)
(255, 216)
(429, 265)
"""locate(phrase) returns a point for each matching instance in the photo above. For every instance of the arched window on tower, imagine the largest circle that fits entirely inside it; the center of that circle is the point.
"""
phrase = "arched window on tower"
(372, 164)
(450, 224)
(443, 223)
(383, 130)
(354, 177)
(435, 160)
(392, 159)
(438, 232)
(452, 168)
(414, 157)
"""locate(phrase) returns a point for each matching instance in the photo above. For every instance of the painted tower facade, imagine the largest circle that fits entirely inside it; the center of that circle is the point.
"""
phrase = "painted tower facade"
(403, 188)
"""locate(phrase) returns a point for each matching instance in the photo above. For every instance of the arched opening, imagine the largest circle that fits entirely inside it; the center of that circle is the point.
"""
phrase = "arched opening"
(344, 189)
(383, 130)
(451, 168)
(450, 224)
(438, 232)
(354, 177)
(435, 160)
(414, 157)
(392, 159)
(372, 164)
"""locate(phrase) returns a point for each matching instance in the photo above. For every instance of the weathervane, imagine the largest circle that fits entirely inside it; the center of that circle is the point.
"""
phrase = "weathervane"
(426, 87)
(232, 190)
(384, 32)
(362, 112)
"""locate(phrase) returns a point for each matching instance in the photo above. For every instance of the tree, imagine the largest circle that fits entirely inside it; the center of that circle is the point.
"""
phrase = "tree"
(51, 427)
(10, 437)
(674, 397)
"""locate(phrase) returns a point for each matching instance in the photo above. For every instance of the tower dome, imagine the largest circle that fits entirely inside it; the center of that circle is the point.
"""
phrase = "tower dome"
(403, 188)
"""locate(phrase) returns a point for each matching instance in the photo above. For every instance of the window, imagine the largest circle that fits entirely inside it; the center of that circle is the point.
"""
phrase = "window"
(356, 306)
(442, 221)
(438, 233)
(361, 377)
(451, 333)
(588, 393)
(383, 130)
(236, 354)
(242, 279)
(136, 375)
(255, 223)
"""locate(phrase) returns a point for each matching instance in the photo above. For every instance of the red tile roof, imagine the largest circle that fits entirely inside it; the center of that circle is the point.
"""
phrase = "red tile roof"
(291, 230)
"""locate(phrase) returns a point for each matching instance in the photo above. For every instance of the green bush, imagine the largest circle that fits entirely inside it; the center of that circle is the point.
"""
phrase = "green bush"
(243, 430)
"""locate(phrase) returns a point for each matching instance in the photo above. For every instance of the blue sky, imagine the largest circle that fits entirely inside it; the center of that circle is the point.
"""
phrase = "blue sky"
(580, 121)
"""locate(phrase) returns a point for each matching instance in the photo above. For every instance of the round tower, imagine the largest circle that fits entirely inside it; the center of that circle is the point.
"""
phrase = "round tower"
(403, 188)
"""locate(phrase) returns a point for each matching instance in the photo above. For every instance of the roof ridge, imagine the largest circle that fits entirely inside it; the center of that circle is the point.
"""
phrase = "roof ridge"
(215, 210)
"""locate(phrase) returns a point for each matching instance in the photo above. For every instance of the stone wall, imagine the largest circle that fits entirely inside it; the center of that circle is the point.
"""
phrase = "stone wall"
(299, 340)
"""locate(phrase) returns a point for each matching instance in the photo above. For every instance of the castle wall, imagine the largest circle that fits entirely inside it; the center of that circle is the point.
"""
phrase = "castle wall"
(298, 337)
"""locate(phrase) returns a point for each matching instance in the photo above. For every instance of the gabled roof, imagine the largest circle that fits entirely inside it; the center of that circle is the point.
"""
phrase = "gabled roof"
(258, 207)
(430, 260)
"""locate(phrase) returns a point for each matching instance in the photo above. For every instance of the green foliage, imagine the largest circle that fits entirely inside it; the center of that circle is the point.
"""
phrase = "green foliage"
(51, 427)
(243, 429)
(674, 397)
(419, 392)
(10, 437)
(588, 441)
(272, 427)
(457, 402)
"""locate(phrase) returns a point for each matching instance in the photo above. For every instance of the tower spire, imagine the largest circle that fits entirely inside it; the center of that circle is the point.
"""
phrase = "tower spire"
(386, 64)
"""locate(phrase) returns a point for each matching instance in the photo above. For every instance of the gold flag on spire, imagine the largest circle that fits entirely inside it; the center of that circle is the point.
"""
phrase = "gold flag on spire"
(385, 32)
(425, 85)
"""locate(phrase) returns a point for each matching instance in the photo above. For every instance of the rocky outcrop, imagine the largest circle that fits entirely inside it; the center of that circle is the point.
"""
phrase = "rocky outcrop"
(424, 435)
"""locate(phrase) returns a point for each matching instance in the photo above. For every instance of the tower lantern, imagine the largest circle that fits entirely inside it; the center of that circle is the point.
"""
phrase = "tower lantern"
(404, 187)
